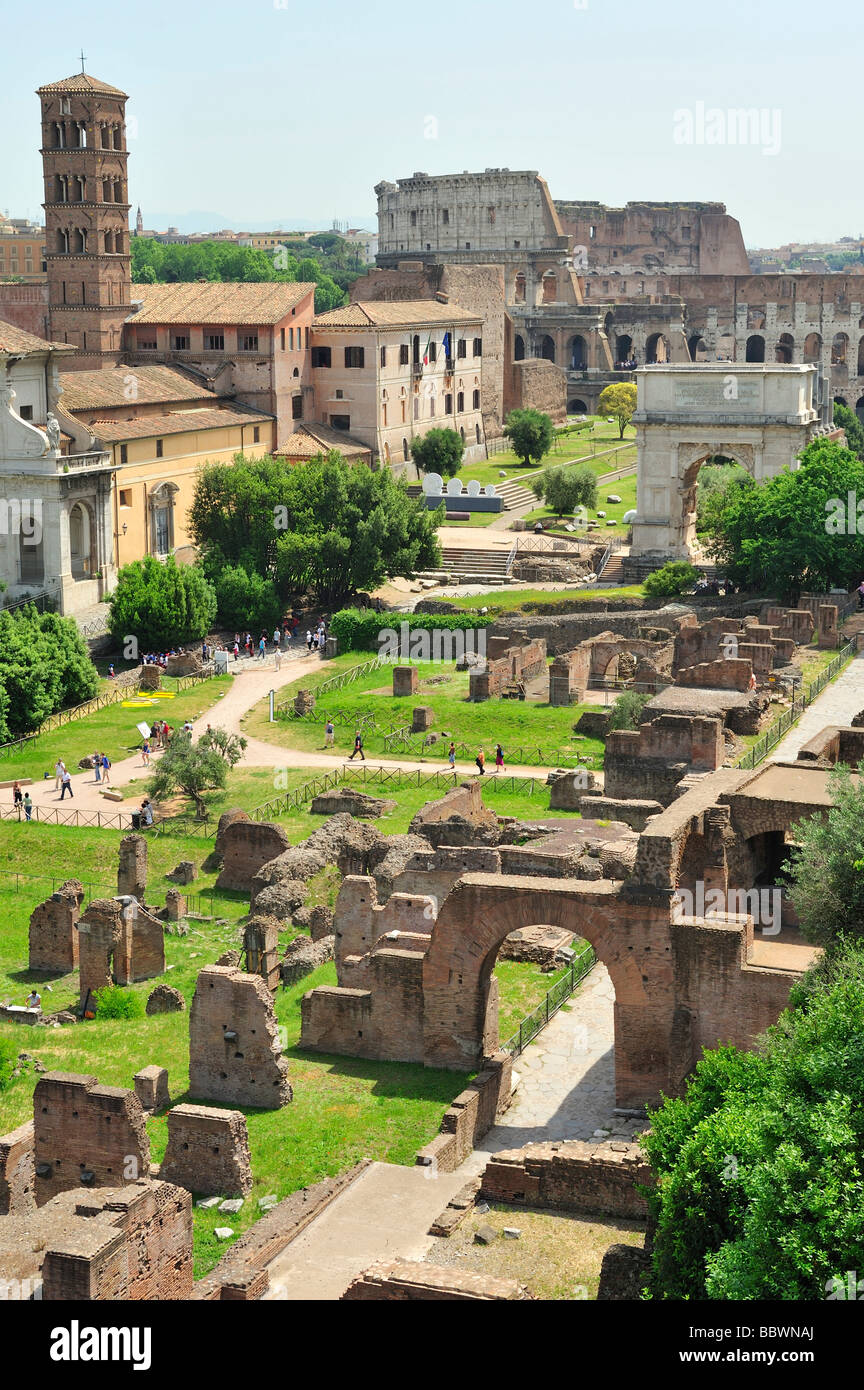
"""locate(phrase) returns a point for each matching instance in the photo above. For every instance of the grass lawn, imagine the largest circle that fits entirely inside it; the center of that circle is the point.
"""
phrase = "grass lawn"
(344, 1109)
(516, 600)
(540, 731)
(565, 447)
(112, 730)
(625, 488)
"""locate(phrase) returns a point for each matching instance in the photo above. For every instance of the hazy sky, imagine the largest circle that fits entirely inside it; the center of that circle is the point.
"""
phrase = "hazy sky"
(293, 109)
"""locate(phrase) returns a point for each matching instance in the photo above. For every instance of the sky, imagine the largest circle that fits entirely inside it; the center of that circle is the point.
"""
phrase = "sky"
(287, 112)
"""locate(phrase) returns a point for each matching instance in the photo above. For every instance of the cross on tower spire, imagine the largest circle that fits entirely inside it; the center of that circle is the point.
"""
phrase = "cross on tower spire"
(81, 55)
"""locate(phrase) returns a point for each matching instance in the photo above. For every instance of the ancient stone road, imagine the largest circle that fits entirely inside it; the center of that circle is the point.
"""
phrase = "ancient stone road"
(838, 704)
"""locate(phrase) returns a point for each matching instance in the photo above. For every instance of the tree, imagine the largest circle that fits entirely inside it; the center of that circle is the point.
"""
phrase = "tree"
(326, 526)
(715, 483)
(676, 577)
(187, 769)
(827, 869)
(230, 747)
(627, 710)
(565, 489)
(246, 600)
(145, 276)
(619, 400)
(160, 603)
(531, 434)
(759, 1190)
(439, 451)
(44, 667)
(794, 531)
(852, 428)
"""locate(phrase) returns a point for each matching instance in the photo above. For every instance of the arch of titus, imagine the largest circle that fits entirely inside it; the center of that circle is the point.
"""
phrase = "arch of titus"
(761, 416)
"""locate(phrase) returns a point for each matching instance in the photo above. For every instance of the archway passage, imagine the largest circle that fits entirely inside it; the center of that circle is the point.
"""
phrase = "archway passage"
(813, 348)
(785, 349)
(79, 541)
(656, 349)
(632, 940)
(547, 348)
(859, 408)
(755, 351)
(577, 353)
(698, 350)
(623, 347)
(519, 348)
(577, 407)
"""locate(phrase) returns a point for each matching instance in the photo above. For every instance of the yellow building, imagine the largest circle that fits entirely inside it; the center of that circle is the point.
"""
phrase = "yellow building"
(22, 250)
(158, 427)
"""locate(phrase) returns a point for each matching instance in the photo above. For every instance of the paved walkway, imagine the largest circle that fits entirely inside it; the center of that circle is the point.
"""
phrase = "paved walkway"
(838, 704)
(385, 1214)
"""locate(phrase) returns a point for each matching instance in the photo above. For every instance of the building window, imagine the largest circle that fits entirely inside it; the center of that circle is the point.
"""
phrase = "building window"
(159, 449)
(517, 244)
(475, 400)
(147, 344)
(249, 342)
(445, 216)
(431, 407)
(448, 404)
(416, 407)
(383, 357)
(124, 453)
(321, 357)
(403, 355)
(461, 348)
(215, 342)
(256, 434)
(432, 351)
(307, 337)
(282, 337)
(125, 497)
(413, 219)
(460, 402)
(26, 412)
(478, 347)
(340, 394)
(179, 343)
(467, 246)
(592, 232)
(297, 408)
(291, 338)
(340, 422)
(354, 356)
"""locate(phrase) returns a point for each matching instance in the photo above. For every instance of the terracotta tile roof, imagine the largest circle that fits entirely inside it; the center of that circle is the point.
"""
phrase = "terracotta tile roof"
(81, 82)
(217, 303)
(14, 339)
(109, 386)
(310, 440)
(179, 422)
(398, 313)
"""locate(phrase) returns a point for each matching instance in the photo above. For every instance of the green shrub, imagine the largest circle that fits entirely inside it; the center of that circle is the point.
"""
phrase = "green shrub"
(247, 601)
(678, 577)
(359, 629)
(8, 1058)
(627, 710)
(112, 1002)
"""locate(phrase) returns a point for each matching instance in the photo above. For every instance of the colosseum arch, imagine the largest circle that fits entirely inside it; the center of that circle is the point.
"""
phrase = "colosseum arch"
(755, 348)
(784, 350)
(657, 348)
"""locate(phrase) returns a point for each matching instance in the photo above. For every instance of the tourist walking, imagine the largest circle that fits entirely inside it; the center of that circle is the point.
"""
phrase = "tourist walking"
(328, 734)
(277, 637)
(278, 657)
(236, 650)
(28, 806)
(96, 762)
(17, 794)
(262, 648)
(59, 769)
(499, 758)
(451, 755)
(480, 760)
(308, 639)
(145, 752)
(66, 786)
(106, 769)
(358, 747)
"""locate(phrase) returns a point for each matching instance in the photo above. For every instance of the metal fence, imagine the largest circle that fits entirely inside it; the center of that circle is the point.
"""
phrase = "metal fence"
(337, 682)
(561, 991)
(200, 903)
(772, 735)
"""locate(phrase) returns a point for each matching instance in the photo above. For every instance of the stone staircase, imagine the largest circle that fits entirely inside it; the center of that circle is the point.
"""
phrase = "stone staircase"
(480, 564)
(515, 497)
(612, 572)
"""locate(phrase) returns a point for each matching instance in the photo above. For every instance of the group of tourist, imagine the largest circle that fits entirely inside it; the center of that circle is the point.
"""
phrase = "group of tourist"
(22, 800)
(480, 760)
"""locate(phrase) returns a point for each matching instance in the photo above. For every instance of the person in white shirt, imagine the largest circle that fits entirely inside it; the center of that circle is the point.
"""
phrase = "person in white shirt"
(59, 769)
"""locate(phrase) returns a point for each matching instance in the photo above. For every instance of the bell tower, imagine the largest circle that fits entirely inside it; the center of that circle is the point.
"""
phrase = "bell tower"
(86, 217)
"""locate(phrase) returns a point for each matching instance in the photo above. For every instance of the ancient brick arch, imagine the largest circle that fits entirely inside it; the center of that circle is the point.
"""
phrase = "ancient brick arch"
(631, 937)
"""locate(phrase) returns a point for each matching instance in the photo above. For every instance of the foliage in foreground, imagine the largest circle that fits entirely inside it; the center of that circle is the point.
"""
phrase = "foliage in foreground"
(160, 603)
(760, 1166)
(676, 577)
(327, 527)
(827, 869)
(44, 667)
(360, 629)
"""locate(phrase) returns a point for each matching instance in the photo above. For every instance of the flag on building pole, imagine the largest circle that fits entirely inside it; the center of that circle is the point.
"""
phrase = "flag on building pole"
(426, 353)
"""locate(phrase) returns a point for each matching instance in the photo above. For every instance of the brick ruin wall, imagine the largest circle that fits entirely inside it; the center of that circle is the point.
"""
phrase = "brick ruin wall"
(119, 941)
(518, 663)
(17, 1176)
(647, 764)
(86, 1134)
(245, 846)
(572, 1175)
(235, 1057)
(471, 1115)
(208, 1151)
(132, 867)
(53, 938)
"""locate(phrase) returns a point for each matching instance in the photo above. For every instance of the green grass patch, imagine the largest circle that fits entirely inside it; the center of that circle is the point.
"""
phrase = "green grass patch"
(525, 600)
(625, 488)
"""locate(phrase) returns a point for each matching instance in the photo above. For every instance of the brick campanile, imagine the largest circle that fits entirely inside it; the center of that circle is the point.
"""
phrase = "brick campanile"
(86, 217)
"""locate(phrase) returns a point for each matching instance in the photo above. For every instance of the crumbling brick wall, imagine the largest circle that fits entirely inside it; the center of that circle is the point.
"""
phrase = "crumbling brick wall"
(261, 948)
(208, 1151)
(648, 763)
(132, 867)
(132, 1244)
(512, 658)
(359, 921)
(235, 1056)
(404, 1281)
(119, 942)
(244, 846)
(53, 935)
(571, 1176)
(725, 674)
(458, 818)
(86, 1135)
(471, 1115)
(16, 1171)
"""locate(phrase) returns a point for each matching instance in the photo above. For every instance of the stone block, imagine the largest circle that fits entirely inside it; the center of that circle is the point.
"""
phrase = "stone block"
(235, 1056)
(165, 999)
(151, 1087)
(208, 1151)
(406, 680)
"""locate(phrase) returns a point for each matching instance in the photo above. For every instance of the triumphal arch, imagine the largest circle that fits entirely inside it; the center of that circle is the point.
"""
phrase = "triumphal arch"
(759, 415)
